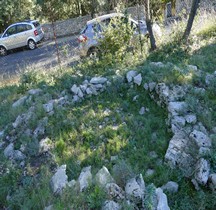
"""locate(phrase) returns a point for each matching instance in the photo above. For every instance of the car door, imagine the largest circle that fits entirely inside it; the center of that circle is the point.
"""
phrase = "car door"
(22, 35)
(9, 37)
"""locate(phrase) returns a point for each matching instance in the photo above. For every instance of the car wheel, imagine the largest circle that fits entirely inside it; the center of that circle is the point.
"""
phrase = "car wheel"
(93, 53)
(3, 51)
(31, 44)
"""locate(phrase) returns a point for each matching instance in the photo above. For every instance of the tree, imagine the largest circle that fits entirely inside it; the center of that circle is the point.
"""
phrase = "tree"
(194, 7)
(13, 11)
(149, 24)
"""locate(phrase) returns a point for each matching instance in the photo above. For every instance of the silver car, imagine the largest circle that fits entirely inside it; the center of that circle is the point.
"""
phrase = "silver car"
(26, 33)
(88, 39)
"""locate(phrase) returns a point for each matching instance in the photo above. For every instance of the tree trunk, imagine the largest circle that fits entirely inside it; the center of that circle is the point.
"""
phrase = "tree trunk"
(194, 7)
(149, 24)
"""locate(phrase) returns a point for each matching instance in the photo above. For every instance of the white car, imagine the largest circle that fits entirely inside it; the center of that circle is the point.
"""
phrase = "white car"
(88, 39)
(26, 33)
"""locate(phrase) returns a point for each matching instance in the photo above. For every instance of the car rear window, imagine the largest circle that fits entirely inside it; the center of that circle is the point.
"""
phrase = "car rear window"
(36, 24)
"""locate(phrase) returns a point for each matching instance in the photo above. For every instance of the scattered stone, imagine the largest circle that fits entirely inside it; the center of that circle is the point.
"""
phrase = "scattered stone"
(149, 172)
(98, 80)
(114, 158)
(8, 152)
(195, 184)
(171, 187)
(212, 182)
(18, 155)
(178, 121)
(111, 205)
(135, 189)
(75, 89)
(59, 180)
(50, 207)
(19, 102)
(153, 154)
(103, 177)
(192, 67)
(191, 119)
(142, 111)
(72, 183)
(45, 145)
(1, 134)
(34, 91)
(83, 87)
(17, 122)
(202, 171)
(135, 98)
(49, 106)
(146, 87)
(40, 130)
(152, 86)
(138, 79)
(114, 191)
(85, 178)
(162, 200)
(130, 75)
(158, 64)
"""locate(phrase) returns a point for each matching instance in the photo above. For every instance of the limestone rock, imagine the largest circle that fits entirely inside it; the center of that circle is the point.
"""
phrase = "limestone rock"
(20, 102)
(138, 79)
(192, 67)
(98, 80)
(212, 182)
(158, 64)
(191, 119)
(75, 89)
(114, 191)
(175, 108)
(130, 75)
(40, 130)
(176, 154)
(202, 171)
(200, 139)
(45, 145)
(72, 183)
(149, 172)
(152, 86)
(111, 205)
(162, 200)
(142, 111)
(50, 207)
(49, 106)
(85, 178)
(171, 187)
(8, 152)
(18, 155)
(103, 177)
(18, 121)
(135, 189)
(59, 180)
(34, 91)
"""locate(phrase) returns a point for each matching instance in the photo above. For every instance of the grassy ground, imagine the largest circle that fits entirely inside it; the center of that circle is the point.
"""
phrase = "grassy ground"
(90, 132)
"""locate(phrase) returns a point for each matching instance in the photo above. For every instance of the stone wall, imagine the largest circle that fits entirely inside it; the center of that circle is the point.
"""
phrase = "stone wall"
(75, 25)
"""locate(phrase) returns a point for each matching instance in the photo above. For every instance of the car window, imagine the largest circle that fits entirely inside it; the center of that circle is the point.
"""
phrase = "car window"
(36, 24)
(28, 27)
(10, 31)
(97, 28)
(21, 28)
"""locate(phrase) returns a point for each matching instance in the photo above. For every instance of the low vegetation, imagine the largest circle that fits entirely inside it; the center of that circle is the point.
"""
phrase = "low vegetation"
(108, 125)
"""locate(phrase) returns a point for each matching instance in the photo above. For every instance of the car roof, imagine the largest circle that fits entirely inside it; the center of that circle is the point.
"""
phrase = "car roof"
(24, 22)
(104, 17)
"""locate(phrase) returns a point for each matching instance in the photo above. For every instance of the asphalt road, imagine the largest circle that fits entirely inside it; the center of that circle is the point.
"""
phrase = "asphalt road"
(44, 56)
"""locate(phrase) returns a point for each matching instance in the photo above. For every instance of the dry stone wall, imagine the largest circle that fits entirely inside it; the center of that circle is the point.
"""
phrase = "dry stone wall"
(73, 26)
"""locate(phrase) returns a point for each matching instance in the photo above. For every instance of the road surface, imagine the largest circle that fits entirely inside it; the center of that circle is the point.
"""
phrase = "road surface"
(44, 56)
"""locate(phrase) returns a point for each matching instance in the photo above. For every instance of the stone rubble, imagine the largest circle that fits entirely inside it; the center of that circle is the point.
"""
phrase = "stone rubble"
(85, 178)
